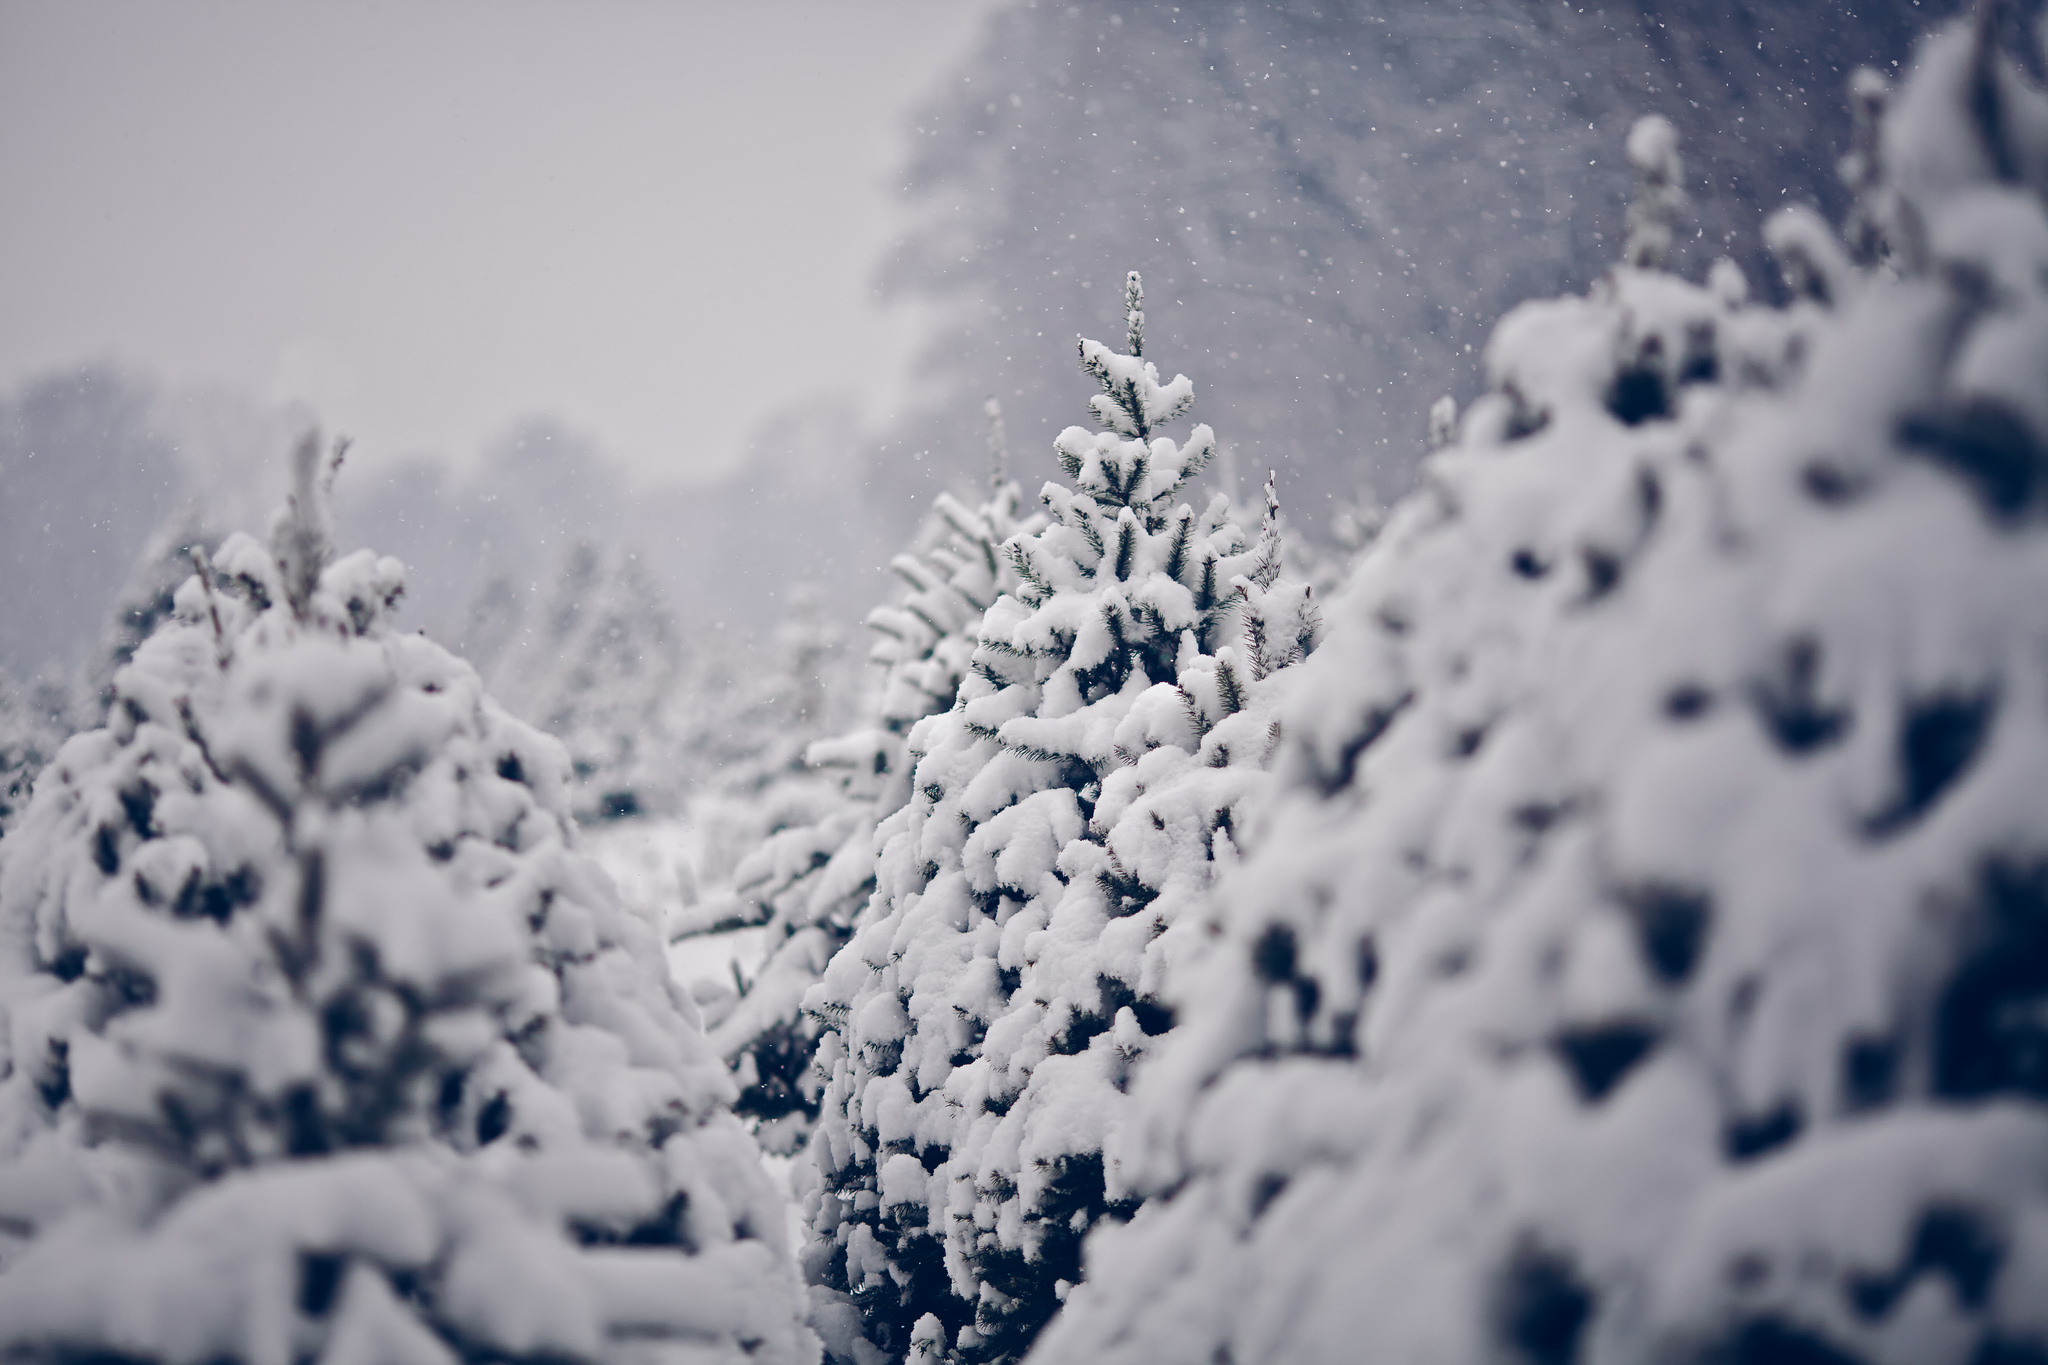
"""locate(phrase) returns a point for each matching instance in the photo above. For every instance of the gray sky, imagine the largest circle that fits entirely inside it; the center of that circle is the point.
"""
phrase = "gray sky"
(658, 221)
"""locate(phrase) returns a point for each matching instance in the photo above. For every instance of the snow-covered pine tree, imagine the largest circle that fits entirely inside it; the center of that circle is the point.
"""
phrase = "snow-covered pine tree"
(323, 1042)
(37, 718)
(749, 716)
(34, 720)
(493, 623)
(146, 600)
(594, 661)
(802, 695)
(1648, 957)
(747, 719)
(808, 883)
(1065, 812)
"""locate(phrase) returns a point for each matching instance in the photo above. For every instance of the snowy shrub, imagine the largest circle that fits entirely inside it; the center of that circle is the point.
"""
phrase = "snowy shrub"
(594, 661)
(1647, 956)
(746, 718)
(148, 598)
(322, 1041)
(803, 685)
(807, 883)
(1065, 812)
(34, 721)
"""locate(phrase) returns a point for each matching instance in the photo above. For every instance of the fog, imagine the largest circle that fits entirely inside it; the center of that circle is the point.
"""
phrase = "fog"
(727, 286)
(653, 221)
(654, 225)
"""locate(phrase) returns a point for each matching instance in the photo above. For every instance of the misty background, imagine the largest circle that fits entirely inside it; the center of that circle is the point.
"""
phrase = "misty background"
(722, 289)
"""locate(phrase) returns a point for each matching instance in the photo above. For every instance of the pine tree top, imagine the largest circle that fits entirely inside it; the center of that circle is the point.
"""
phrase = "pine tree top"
(1139, 471)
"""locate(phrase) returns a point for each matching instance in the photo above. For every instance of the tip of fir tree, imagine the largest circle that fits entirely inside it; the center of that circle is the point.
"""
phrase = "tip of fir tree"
(1443, 422)
(1134, 314)
(998, 444)
(302, 534)
(1653, 150)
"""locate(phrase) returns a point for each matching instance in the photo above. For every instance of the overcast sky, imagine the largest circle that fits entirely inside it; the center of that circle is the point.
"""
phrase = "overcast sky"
(657, 221)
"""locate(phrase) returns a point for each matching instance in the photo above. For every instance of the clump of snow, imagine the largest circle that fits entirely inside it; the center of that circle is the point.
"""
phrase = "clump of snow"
(1647, 956)
(321, 1038)
(1064, 816)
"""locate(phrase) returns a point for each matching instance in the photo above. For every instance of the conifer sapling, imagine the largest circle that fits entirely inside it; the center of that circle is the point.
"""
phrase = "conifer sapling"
(324, 1042)
(1065, 818)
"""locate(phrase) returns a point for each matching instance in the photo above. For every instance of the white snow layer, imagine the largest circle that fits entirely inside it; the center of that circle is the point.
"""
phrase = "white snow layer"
(1646, 954)
(320, 1040)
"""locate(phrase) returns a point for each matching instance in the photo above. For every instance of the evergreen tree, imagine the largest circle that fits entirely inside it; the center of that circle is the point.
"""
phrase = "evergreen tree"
(147, 599)
(1064, 815)
(746, 721)
(34, 721)
(594, 662)
(747, 715)
(799, 697)
(323, 1042)
(809, 882)
(1646, 956)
